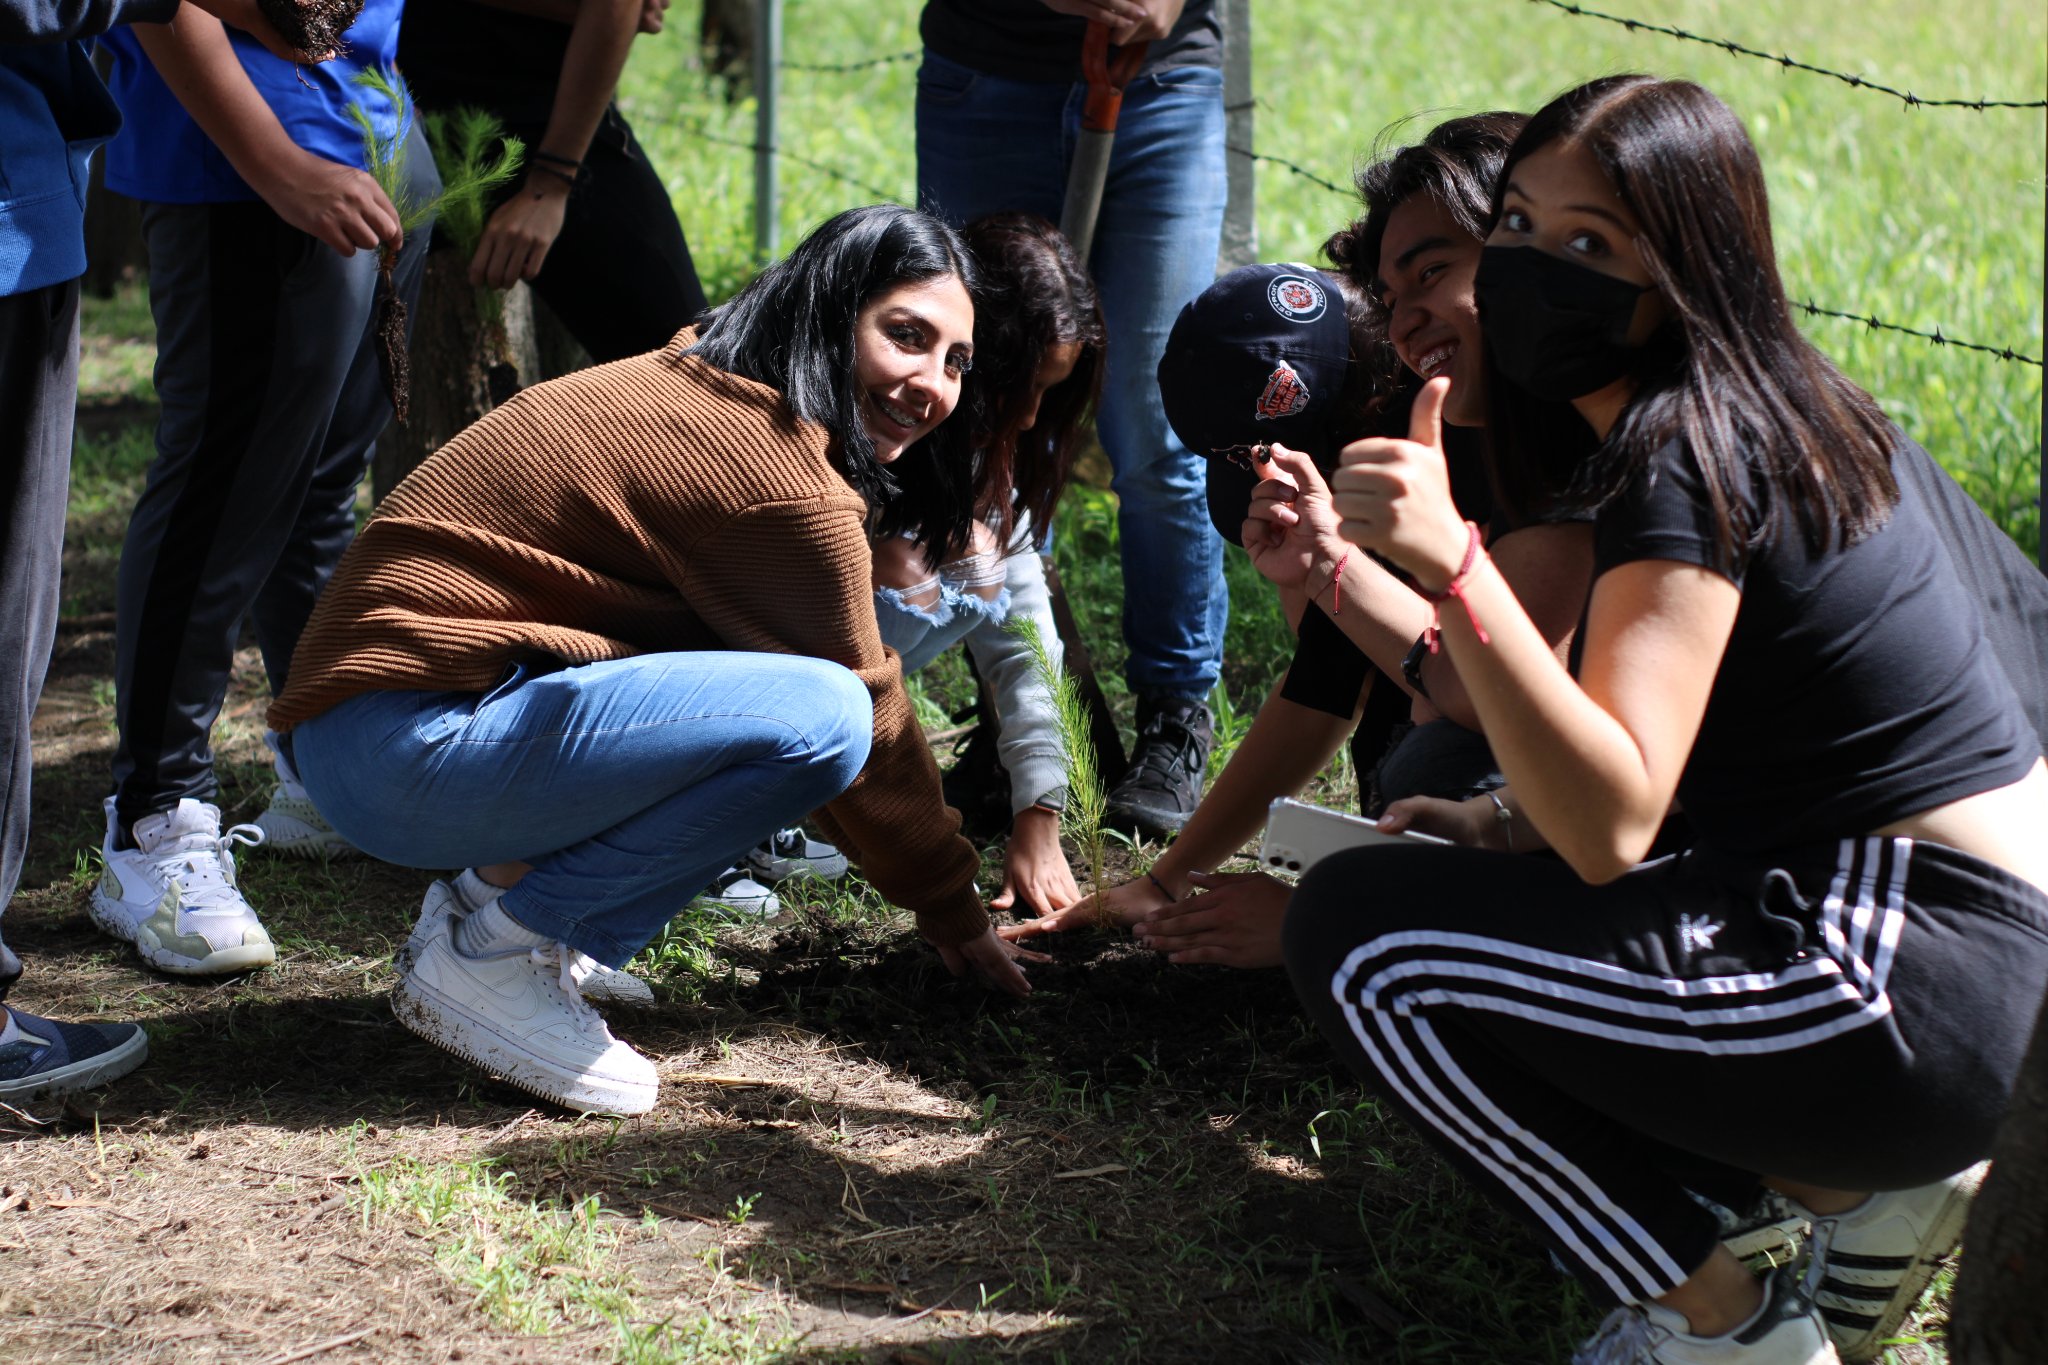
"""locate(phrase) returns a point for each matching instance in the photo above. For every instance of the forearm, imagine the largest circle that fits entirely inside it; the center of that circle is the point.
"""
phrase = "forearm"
(57, 21)
(1286, 746)
(1375, 610)
(193, 55)
(599, 40)
(1029, 743)
(1574, 768)
(1549, 569)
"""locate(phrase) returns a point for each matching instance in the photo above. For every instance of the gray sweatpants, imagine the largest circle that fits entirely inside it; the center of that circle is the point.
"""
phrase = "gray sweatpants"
(272, 404)
(38, 395)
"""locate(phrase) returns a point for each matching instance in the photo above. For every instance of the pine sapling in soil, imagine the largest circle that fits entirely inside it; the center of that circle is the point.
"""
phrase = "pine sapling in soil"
(314, 27)
(1087, 797)
(387, 164)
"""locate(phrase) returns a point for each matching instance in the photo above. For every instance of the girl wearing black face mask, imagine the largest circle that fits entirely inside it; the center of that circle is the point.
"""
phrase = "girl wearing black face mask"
(1777, 640)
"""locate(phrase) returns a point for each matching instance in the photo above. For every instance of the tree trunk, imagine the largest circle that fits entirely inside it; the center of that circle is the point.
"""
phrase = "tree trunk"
(2000, 1312)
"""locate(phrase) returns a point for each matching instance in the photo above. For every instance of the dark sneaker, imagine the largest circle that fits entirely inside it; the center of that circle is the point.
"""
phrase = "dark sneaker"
(1159, 790)
(41, 1057)
(977, 785)
(792, 853)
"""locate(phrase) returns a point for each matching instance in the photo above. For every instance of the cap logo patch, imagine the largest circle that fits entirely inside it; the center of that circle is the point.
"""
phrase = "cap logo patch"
(1283, 396)
(1296, 298)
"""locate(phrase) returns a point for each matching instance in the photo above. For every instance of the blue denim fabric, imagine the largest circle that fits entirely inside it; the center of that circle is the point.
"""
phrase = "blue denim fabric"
(986, 144)
(628, 785)
(921, 634)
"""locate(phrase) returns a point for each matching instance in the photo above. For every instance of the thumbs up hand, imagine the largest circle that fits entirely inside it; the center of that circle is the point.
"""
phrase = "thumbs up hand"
(1393, 497)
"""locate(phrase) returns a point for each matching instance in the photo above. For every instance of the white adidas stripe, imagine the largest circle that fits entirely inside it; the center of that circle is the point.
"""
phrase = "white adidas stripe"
(1557, 1191)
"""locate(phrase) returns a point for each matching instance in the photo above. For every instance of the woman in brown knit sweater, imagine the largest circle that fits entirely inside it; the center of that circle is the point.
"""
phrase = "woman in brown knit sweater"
(606, 639)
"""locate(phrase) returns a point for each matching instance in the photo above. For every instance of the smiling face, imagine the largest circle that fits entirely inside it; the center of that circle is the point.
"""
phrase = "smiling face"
(911, 346)
(1426, 267)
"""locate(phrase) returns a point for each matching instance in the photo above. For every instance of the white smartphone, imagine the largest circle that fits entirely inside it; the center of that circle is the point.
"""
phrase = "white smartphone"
(1298, 835)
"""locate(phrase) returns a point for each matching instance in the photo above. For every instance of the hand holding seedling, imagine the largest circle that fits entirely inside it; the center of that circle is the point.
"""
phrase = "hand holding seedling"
(342, 206)
(1234, 923)
(517, 237)
(1290, 531)
(1126, 905)
(992, 959)
(1035, 868)
(1394, 496)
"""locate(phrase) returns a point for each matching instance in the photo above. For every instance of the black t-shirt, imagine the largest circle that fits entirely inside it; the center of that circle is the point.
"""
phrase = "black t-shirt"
(455, 52)
(1857, 687)
(1022, 40)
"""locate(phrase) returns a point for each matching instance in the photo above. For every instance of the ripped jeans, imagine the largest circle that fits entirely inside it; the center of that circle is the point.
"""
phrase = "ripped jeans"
(922, 621)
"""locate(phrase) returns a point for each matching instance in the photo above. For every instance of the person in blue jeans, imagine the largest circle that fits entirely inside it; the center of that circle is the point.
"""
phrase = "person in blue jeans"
(54, 113)
(999, 99)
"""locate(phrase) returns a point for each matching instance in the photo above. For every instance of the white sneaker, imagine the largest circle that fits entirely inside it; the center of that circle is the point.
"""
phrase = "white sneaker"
(1786, 1330)
(738, 894)
(792, 853)
(174, 896)
(517, 1013)
(469, 893)
(1877, 1258)
(292, 823)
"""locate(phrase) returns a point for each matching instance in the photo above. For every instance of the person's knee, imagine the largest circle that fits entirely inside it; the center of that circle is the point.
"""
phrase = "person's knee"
(842, 725)
(1331, 916)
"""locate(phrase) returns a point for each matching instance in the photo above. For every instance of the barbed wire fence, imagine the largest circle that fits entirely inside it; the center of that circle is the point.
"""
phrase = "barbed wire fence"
(1241, 237)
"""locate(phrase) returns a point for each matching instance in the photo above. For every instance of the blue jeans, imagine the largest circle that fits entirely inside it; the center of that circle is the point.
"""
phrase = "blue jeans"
(627, 785)
(985, 144)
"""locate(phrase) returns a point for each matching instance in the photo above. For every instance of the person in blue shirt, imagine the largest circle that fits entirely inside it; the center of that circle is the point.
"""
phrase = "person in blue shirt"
(264, 229)
(53, 113)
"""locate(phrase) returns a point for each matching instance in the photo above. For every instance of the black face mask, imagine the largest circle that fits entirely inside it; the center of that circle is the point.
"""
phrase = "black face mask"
(1556, 328)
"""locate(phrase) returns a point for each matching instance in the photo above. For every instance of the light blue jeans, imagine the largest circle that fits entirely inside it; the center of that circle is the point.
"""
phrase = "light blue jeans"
(627, 785)
(986, 144)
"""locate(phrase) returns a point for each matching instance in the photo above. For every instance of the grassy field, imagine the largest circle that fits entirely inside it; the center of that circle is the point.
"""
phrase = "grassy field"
(857, 1159)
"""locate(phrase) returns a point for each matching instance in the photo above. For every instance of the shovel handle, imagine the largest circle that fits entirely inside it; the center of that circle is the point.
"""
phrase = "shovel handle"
(1106, 79)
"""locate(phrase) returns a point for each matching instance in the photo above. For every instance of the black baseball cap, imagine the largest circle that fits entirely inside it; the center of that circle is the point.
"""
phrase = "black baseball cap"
(1258, 356)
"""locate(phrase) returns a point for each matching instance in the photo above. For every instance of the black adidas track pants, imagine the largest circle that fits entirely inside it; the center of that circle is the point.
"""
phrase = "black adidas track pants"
(1850, 1015)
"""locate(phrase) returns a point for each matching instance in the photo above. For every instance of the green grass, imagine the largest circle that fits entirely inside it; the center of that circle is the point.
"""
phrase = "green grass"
(1923, 217)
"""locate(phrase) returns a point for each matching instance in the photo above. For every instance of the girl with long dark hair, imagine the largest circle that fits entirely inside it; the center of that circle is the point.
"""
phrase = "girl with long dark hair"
(605, 639)
(1820, 993)
(1038, 347)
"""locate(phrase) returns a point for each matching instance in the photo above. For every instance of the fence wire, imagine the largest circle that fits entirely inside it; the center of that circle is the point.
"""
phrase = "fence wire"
(1789, 63)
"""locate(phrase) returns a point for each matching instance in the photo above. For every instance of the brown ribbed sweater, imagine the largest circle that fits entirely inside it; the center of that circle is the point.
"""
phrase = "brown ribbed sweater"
(652, 504)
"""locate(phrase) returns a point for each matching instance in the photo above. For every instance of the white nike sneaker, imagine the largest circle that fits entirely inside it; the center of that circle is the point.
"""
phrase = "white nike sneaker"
(174, 896)
(469, 893)
(516, 1012)
(291, 823)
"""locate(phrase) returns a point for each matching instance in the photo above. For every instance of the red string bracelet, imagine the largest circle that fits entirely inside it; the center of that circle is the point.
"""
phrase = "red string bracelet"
(1337, 584)
(1456, 588)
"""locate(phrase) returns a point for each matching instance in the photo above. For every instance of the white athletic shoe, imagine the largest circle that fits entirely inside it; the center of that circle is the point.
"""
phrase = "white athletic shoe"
(1773, 1226)
(291, 823)
(739, 896)
(469, 893)
(1786, 1330)
(174, 896)
(792, 853)
(517, 1013)
(1877, 1258)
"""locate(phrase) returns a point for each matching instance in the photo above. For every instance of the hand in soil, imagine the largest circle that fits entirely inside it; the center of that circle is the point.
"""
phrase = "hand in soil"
(1035, 869)
(342, 206)
(1126, 905)
(993, 960)
(518, 235)
(248, 16)
(1234, 923)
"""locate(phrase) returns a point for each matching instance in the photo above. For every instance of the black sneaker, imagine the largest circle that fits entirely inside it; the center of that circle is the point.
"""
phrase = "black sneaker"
(1159, 790)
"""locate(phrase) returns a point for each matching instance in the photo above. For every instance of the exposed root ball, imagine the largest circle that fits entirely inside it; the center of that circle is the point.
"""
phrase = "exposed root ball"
(392, 353)
(312, 26)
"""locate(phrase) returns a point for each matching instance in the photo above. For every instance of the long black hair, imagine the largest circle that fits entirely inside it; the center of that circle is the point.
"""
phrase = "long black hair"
(792, 328)
(1035, 295)
(1775, 427)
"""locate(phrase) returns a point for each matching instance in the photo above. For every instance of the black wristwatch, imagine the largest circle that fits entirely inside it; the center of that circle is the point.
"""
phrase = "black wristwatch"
(1411, 664)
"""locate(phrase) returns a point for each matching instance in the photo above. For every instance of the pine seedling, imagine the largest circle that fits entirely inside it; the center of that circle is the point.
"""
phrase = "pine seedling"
(387, 162)
(477, 158)
(1087, 797)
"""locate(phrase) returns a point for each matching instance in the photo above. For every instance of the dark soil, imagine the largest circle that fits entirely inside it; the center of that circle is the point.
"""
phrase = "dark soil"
(394, 355)
(314, 27)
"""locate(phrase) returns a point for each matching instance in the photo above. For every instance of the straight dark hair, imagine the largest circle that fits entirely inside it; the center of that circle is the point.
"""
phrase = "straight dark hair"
(1035, 294)
(1775, 427)
(792, 328)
